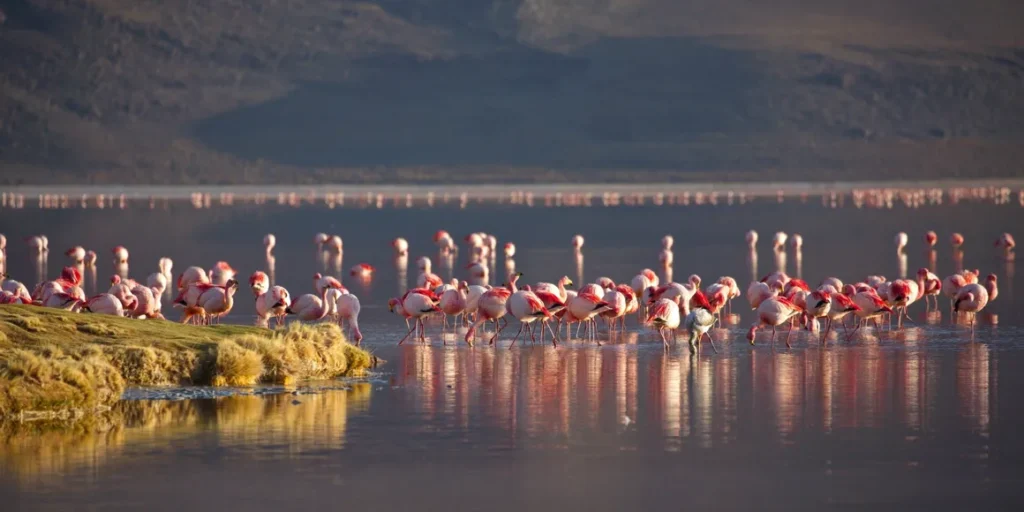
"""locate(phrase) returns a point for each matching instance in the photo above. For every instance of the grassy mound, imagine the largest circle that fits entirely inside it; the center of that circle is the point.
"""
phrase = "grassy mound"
(57, 363)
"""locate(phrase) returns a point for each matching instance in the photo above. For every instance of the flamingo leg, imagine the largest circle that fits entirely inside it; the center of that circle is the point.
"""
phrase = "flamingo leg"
(521, 325)
(712, 340)
(533, 336)
(406, 336)
(788, 336)
(664, 340)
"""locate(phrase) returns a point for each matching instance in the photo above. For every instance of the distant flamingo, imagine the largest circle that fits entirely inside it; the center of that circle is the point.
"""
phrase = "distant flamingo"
(510, 249)
(956, 240)
(401, 247)
(362, 270)
(166, 266)
(901, 242)
(577, 242)
(992, 286)
(423, 264)
(319, 240)
(931, 238)
(269, 241)
(120, 255)
(751, 239)
(1005, 242)
(76, 254)
(779, 241)
(796, 242)
(90, 258)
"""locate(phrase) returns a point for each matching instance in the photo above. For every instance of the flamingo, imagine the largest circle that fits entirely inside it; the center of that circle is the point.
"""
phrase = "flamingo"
(269, 241)
(35, 244)
(417, 303)
(76, 253)
(751, 239)
(665, 258)
(577, 243)
(166, 265)
(311, 308)
(453, 302)
(796, 242)
(16, 289)
(401, 246)
(221, 273)
(319, 240)
(157, 282)
(902, 293)
(428, 280)
(956, 240)
(840, 305)
(90, 258)
(104, 304)
(57, 300)
(190, 276)
(779, 241)
(951, 285)
(510, 249)
(971, 298)
(217, 301)
(931, 238)
(817, 304)
(473, 294)
(272, 302)
(334, 244)
(871, 306)
(617, 301)
(322, 282)
(776, 280)
(1005, 242)
(491, 307)
(664, 316)
(478, 272)
(423, 264)
(348, 309)
(667, 242)
(527, 307)
(929, 285)
(583, 308)
(758, 292)
(556, 289)
(362, 270)
(444, 241)
(145, 303)
(259, 283)
(992, 286)
(774, 311)
(734, 290)
(120, 255)
(699, 321)
(901, 242)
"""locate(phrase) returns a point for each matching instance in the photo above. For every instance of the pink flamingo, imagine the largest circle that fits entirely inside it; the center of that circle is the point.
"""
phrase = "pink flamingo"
(401, 247)
(348, 309)
(120, 255)
(664, 316)
(930, 286)
(956, 240)
(362, 270)
(971, 298)
(527, 307)
(104, 304)
(774, 311)
(273, 302)
(259, 283)
(309, 307)
(417, 304)
(453, 302)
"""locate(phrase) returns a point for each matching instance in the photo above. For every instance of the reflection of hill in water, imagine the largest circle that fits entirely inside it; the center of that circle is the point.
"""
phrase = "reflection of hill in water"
(31, 451)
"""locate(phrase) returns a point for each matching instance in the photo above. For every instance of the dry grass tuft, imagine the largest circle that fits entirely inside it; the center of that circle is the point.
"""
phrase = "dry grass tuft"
(236, 365)
(51, 360)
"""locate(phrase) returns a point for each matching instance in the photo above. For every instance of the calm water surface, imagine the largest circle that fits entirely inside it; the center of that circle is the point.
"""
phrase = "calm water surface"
(923, 418)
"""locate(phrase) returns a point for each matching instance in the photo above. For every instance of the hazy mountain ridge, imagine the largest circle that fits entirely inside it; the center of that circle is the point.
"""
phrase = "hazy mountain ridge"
(311, 90)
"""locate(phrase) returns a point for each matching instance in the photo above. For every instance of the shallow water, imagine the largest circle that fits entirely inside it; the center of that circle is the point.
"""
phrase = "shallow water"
(923, 418)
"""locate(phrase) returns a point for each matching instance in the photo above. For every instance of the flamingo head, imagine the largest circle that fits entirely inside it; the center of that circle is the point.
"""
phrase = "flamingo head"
(318, 275)
(71, 251)
(392, 302)
(922, 272)
(849, 290)
(514, 276)
(115, 279)
(969, 297)
(991, 278)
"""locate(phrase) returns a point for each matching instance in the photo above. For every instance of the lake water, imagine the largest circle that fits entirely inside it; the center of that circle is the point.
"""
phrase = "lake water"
(924, 418)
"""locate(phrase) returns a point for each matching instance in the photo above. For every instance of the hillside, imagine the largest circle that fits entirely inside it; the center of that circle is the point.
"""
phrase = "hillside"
(301, 91)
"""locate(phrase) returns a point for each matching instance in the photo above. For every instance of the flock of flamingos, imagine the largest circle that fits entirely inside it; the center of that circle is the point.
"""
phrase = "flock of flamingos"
(207, 296)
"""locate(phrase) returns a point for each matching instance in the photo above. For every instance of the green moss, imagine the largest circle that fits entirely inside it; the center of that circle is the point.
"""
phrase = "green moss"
(53, 360)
